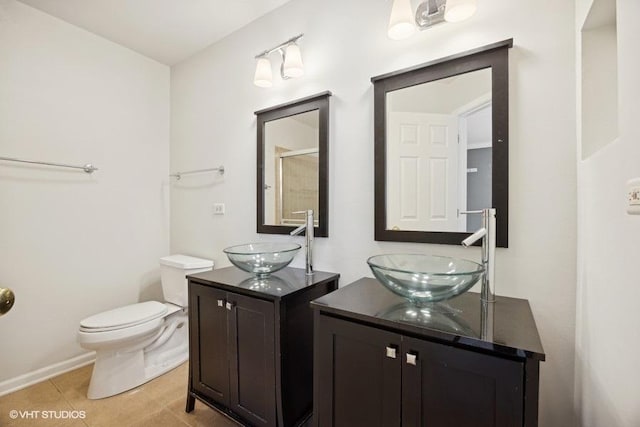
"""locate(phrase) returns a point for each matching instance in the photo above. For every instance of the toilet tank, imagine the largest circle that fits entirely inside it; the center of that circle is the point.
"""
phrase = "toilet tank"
(173, 269)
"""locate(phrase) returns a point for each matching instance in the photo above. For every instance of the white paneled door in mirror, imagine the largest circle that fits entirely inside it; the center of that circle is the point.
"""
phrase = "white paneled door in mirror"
(433, 130)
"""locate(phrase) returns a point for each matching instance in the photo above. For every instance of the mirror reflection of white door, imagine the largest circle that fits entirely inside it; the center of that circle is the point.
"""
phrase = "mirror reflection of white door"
(422, 171)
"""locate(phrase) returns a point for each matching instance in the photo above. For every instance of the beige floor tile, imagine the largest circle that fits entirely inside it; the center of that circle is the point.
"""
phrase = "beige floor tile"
(39, 394)
(162, 418)
(168, 387)
(41, 422)
(158, 403)
(120, 410)
(201, 416)
(77, 379)
(31, 402)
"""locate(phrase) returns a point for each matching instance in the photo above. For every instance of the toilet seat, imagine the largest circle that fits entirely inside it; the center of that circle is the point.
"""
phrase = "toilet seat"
(124, 317)
(123, 336)
(124, 325)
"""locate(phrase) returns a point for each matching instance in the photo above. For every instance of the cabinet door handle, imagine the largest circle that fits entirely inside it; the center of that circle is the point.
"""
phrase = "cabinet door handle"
(412, 359)
(230, 306)
(220, 303)
(391, 352)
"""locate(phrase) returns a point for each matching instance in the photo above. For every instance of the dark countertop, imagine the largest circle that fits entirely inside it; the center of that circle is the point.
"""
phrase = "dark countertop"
(456, 321)
(280, 284)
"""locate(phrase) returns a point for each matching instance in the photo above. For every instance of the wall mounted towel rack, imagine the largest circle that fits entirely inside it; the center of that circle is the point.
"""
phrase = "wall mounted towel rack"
(88, 168)
(179, 175)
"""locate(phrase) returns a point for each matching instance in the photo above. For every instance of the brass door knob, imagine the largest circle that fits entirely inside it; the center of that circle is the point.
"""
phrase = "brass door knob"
(7, 298)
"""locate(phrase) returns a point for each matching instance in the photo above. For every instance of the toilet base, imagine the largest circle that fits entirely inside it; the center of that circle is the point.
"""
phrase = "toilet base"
(115, 372)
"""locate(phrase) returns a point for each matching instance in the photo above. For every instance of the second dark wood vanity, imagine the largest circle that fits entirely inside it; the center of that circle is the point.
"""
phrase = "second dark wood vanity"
(381, 361)
(250, 343)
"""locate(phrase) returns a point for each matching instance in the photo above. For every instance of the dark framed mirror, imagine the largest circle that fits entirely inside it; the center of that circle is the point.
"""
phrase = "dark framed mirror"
(441, 147)
(293, 167)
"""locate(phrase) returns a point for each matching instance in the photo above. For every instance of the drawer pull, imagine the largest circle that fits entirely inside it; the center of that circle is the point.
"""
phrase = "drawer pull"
(412, 359)
(230, 306)
(220, 303)
(391, 352)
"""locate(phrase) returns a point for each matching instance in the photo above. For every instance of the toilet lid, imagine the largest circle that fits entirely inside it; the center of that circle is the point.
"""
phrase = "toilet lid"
(124, 317)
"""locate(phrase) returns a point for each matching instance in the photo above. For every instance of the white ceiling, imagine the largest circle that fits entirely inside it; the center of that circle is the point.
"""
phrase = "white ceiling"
(168, 31)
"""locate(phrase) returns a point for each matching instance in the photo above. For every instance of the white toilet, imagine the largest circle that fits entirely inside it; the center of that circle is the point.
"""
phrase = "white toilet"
(139, 342)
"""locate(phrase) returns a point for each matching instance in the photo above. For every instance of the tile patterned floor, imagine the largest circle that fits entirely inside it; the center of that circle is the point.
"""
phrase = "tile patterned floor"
(158, 403)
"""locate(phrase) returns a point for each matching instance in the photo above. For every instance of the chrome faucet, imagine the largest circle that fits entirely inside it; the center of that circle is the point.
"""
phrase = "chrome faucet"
(307, 227)
(488, 235)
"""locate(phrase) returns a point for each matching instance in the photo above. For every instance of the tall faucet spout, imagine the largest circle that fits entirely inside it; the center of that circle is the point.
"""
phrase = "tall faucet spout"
(488, 235)
(298, 230)
(474, 237)
(307, 227)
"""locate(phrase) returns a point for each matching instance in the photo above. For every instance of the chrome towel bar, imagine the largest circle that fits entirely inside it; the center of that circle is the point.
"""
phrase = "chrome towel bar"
(88, 168)
(179, 175)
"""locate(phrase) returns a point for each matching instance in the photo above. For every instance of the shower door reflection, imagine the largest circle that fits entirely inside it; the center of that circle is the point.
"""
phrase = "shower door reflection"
(297, 184)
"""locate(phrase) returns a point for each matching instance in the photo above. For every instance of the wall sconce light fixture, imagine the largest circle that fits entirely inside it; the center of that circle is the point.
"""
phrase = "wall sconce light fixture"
(290, 68)
(403, 23)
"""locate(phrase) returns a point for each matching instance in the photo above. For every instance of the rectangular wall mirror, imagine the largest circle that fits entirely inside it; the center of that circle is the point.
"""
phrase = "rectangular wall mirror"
(441, 147)
(292, 165)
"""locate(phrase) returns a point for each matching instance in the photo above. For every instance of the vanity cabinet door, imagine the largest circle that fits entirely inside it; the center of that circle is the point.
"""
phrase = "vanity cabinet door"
(448, 386)
(208, 342)
(358, 374)
(252, 359)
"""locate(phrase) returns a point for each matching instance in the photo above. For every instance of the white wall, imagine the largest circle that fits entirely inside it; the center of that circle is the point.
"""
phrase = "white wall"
(446, 96)
(607, 342)
(479, 128)
(213, 99)
(74, 244)
(598, 77)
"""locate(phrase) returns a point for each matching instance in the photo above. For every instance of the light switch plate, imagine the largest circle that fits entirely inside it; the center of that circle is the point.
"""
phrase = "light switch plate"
(633, 196)
(218, 208)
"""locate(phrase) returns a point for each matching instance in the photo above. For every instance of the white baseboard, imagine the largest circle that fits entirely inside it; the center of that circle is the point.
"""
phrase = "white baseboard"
(43, 374)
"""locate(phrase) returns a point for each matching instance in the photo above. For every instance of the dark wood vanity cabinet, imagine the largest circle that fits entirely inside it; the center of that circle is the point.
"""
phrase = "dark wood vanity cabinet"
(444, 385)
(250, 343)
(376, 366)
(234, 330)
(358, 385)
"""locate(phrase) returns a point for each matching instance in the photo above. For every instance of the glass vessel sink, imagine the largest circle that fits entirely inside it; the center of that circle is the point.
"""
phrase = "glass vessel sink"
(425, 278)
(262, 258)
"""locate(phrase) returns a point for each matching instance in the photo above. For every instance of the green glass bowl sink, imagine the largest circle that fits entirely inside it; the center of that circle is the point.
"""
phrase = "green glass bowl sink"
(425, 278)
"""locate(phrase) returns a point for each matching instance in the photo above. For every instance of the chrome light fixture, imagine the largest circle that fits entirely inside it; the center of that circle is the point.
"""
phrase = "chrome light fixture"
(291, 66)
(403, 23)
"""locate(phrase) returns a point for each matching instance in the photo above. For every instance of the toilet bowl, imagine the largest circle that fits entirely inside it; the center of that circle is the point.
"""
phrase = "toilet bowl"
(139, 342)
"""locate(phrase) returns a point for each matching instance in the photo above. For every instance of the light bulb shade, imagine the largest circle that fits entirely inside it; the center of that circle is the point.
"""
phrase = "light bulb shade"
(292, 66)
(459, 10)
(263, 76)
(401, 21)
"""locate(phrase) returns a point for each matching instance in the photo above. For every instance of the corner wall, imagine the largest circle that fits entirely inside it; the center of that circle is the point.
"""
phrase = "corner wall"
(73, 244)
(607, 318)
(212, 122)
